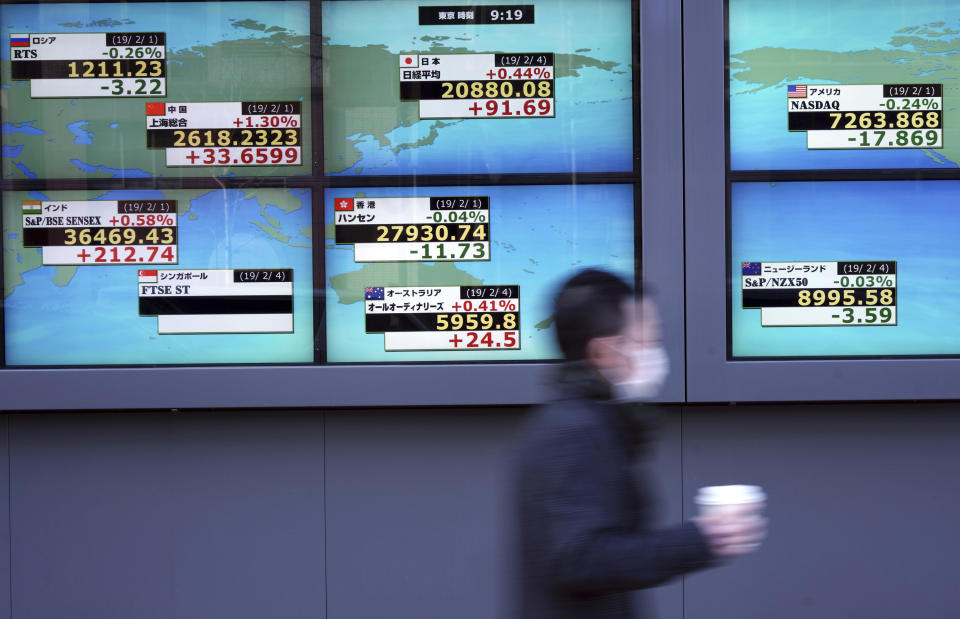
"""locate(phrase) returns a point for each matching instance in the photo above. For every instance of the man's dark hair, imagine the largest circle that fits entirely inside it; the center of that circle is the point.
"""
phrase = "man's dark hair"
(589, 305)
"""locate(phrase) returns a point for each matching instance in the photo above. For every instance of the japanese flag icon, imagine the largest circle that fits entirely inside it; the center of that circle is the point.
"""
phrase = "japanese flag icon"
(409, 61)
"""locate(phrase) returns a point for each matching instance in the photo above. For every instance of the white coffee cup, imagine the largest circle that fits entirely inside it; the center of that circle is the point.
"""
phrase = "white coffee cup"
(736, 502)
(731, 500)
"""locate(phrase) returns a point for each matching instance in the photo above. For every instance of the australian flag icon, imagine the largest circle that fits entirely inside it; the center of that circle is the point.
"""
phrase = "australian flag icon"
(373, 293)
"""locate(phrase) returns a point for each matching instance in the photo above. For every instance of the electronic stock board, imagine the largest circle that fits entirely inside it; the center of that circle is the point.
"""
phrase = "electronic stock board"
(304, 183)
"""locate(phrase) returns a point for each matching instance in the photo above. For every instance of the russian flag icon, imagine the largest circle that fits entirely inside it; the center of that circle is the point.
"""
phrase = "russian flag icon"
(19, 40)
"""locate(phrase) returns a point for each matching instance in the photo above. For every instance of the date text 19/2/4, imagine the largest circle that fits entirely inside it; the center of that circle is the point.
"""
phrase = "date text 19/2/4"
(516, 85)
(102, 232)
(90, 64)
(444, 317)
(235, 133)
(217, 300)
(806, 294)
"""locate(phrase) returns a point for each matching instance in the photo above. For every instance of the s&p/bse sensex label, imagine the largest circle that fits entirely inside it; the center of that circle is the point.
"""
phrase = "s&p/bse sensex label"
(865, 116)
(251, 133)
(516, 85)
(98, 232)
(802, 294)
(218, 300)
(444, 317)
(88, 64)
(414, 228)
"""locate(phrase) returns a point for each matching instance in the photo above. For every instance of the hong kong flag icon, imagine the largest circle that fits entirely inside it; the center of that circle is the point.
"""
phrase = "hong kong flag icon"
(409, 61)
(343, 204)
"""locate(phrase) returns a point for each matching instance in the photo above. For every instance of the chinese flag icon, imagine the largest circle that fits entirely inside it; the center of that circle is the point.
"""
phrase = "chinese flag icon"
(343, 204)
(409, 61)
(155, 108)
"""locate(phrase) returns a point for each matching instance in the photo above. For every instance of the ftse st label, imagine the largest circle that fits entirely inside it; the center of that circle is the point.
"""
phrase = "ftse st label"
(217, 300)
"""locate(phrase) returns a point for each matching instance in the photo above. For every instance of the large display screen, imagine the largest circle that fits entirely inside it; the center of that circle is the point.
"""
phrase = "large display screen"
(463, 274)
(840, 269)
(825, 84)
(174, 178)
(154, 90)
(134, 277)
(421, 86)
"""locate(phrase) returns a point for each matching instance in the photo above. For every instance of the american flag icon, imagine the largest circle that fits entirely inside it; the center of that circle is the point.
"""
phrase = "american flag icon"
(796, 91)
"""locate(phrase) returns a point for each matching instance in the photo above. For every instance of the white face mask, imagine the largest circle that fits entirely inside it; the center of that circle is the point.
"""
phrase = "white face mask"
(650, 367)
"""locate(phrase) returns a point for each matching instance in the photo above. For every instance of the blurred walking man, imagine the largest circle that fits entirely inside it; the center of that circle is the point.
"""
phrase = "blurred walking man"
(584, 517)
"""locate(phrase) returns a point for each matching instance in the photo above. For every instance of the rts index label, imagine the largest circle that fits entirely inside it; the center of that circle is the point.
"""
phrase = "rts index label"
(88, 64)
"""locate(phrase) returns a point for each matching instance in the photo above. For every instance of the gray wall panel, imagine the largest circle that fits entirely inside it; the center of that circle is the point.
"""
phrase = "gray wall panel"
(665, 473)
(206, 515)
(143, 515)
(417, 513)
(419, 520)
(661, 147)
(862, 506)
(4, 517)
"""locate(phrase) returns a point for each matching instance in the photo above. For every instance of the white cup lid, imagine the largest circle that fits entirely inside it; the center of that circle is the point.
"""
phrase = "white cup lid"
(729, 495)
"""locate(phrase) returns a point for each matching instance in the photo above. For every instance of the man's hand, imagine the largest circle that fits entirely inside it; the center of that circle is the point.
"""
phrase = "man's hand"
(737, 532)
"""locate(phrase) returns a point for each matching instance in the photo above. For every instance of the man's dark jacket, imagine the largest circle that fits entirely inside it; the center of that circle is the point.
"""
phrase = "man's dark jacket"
(584, 517)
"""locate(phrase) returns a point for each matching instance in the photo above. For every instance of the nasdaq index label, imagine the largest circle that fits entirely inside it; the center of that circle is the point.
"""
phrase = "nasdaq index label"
(867, 116)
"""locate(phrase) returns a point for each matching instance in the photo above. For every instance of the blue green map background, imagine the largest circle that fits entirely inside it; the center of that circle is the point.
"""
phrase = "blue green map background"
(773, 44)
(916, 223)
(91, 317)
(369, 131)
(216, 51)
(539, 236)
